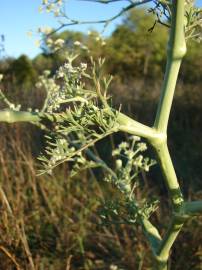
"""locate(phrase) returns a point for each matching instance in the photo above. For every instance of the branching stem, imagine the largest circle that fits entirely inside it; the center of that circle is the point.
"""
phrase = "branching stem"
(10, 116)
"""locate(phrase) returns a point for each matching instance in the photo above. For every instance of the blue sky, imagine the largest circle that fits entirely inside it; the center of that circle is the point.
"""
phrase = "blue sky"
(20, 16)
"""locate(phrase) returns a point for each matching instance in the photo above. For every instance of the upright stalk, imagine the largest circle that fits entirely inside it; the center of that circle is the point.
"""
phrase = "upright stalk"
(175, 52)
(169, 174)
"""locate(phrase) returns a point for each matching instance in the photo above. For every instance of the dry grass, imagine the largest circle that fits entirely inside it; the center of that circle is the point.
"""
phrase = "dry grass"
(52, 222)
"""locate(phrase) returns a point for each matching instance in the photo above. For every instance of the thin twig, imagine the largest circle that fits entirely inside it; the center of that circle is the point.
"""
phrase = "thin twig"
(11, 257)
(73, 22)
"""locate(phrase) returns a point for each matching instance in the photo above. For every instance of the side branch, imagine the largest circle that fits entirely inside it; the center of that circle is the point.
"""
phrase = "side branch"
(151, 234)
(72, 21)
(10, 116)
(127, 124)
(169, 238)
(124, 122)
(193, 208)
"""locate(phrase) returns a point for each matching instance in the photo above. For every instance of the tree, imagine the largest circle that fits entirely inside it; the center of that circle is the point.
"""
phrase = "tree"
(23, 72)
(80, 117)
(138, 54)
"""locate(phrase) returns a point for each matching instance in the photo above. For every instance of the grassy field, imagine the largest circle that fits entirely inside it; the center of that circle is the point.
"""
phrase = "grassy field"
(53, 223)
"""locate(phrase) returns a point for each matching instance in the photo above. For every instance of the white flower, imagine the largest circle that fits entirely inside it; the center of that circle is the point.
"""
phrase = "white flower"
(77, 43)
(123, 145)
(12, 106)
(97, 38)
(57, 12)
(62, 141)
(49, 41)
(118, 163)
(46, 72)
(46, 30)
(59, 42)
(1, 76)
(134, 138)
(37, 43)
(60, 73)
(115, 152)
(45, 2)
(38, 85)
(50, 7)
(59, 2)
(138, 161)
(83, 66)
(68, 66)
(40, 9)
(29, 33)
(113, 267)
(84, 48)
(142, 146)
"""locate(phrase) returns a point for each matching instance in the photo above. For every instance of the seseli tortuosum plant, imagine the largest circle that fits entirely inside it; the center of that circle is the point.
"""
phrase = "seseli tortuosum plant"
(77, 113)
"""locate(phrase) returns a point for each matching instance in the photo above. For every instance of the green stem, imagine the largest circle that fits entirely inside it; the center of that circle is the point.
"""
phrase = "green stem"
(10, 116)
(124, 122)
(127, 124)
(151, 233)
(193, 208)
(160, 265)
(170, 237)
(176, 51)
(169, 174)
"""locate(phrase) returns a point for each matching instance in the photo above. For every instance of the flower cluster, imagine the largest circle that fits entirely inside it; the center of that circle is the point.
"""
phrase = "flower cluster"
(53, 45)
(194, 23)
(54, 95)
(69, 87)
(52, 6)
(77, 114)
(69, 72)
(129, 163)
(125, 177)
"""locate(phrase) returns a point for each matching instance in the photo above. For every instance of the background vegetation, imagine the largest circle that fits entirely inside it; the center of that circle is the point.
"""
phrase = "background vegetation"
(50, 222)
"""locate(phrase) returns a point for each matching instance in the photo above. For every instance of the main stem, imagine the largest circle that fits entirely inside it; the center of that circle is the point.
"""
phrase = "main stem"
(175, 53)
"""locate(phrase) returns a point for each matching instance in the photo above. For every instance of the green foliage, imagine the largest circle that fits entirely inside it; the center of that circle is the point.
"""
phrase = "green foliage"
(139, 54)
(43, 62)
(194, 24)
(129, 163)
(23, 72)
(76, 111)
